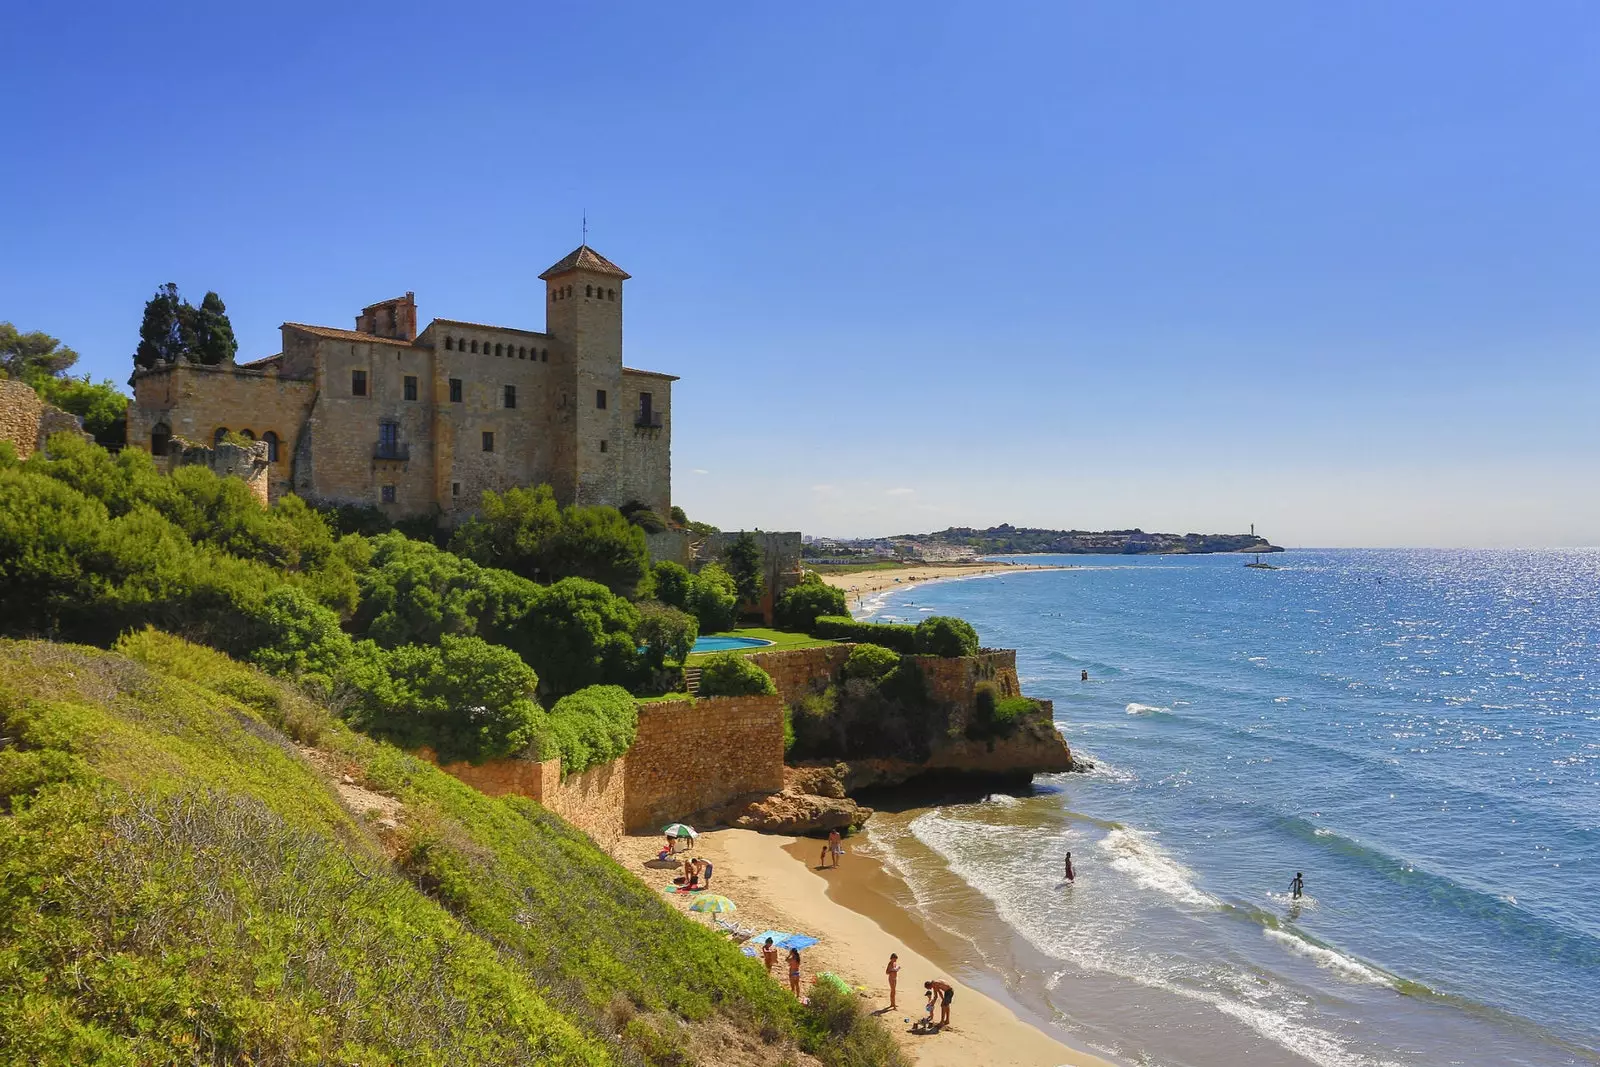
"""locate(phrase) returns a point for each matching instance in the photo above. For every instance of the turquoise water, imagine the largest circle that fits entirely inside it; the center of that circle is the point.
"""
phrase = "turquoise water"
(1417, 731)
(726, 644)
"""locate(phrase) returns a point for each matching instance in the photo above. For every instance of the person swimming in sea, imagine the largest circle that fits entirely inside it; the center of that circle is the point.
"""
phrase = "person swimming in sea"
(1298, 885)
(1084, 676)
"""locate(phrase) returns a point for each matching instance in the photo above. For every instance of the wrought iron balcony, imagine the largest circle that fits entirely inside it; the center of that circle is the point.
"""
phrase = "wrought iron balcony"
(391, 450)
(647, 420)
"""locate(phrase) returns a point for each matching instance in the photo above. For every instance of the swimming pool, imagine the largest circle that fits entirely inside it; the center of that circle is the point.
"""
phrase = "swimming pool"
(726, 644)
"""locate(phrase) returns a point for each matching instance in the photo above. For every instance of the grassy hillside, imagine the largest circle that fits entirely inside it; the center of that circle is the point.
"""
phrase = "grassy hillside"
(180, 883)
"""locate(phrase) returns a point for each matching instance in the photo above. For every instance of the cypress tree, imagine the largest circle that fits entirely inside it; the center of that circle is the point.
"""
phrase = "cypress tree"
(213, 341)
(160, 336)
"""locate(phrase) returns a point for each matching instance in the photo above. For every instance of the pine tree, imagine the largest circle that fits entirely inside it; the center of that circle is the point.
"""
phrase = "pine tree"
(160, 335)
(213, 341)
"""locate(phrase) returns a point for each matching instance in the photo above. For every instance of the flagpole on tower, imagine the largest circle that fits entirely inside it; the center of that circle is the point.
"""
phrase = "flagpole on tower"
(585, 241)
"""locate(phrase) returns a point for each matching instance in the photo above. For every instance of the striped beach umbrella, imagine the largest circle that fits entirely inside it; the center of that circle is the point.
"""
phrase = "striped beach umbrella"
(714, 904)
(678, 829)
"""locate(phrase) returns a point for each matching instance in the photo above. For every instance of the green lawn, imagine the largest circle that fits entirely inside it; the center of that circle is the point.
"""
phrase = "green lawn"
(856, 568)
(780, 640)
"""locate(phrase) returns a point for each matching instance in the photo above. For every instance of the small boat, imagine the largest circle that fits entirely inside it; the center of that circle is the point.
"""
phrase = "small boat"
(1259, 566)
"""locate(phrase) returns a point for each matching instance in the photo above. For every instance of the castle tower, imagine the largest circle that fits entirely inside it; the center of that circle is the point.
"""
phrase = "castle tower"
(583, 311)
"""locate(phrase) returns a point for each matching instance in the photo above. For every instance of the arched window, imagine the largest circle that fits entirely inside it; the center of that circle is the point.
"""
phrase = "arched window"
(497, 349)
(160, 434)
(611, 294)
(522, 352)
(271, 440)
(216, 438)
(588, 290)
(474, 347)
(448, 344)
(247, 434)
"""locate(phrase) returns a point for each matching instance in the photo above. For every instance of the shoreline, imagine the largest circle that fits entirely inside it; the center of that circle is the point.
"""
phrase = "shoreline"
(865, 583)
(772, 879)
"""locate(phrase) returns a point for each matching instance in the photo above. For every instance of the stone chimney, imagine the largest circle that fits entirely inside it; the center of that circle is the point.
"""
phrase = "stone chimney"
(395, 318)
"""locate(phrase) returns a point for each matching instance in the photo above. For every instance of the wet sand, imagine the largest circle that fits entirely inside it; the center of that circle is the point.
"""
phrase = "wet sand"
(854, 911)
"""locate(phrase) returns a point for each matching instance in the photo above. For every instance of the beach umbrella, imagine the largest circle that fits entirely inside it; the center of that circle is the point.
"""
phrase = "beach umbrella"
(678, 829)
(714, 904)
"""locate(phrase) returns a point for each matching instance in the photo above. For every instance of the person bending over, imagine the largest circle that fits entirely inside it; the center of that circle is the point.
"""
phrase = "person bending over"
(946, 993)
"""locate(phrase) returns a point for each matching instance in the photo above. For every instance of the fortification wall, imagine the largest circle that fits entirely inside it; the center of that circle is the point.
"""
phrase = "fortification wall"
(20, 411)
(699, 754)
(951, 681)
(688, 755)
(799, 671)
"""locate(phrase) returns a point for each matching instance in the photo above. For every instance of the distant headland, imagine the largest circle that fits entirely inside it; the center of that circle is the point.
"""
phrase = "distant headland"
(965, 542)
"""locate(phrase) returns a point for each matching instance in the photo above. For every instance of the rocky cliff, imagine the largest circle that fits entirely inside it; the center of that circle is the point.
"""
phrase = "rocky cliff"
(1036, 747)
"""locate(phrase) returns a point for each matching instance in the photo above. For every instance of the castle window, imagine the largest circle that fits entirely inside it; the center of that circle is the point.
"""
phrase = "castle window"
(522, 352)
(388, 494)
(247, 435)
(602, 445)
(449, 344)
(455, 390)
(358, 383)
(569, 290)
(216, 438)
(411, 386)
(544, 355)
(600, 399)
(488, 440)
(455, 488)
(160, 435)
(511, 396)
(389, 440)
(588, 290)
(272, 446)
(497, 349)
(611, 294)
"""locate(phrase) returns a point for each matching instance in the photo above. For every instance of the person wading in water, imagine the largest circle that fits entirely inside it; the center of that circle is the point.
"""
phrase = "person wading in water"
(1298, 886)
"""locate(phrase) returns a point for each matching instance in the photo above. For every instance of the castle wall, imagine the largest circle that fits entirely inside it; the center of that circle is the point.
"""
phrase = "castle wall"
(951, 680)
(193, 401)
(643, 468)
(798, 672)
(688, 755)
(780, 553)
(20, 413)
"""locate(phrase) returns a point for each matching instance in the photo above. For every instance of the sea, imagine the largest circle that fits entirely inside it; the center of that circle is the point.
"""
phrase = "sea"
(1418, 732)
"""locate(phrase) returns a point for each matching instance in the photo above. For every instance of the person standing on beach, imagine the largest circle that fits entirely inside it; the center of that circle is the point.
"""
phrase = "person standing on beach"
(794, 971)
(893, 973)
(769, 955)
(1070, 873)
(834, 846)
(946, 993)
(1298, 885)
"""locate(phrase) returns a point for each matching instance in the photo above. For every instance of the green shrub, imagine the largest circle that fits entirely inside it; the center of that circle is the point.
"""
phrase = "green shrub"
(842, 1035)
(798, 608)
(592, 726)
(673, 585)
(713, 599)
(870, 662)
(897, 636)
(524, 531)
(577, 633)
(728, 674)
(947, 636)
(666, 633)
(994, 716)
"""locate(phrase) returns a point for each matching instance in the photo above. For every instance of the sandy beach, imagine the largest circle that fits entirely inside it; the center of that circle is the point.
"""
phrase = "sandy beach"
(865, 583)
(774, 883)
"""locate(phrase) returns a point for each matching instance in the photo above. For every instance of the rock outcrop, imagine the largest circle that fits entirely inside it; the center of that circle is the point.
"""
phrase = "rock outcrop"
(813, 801)
(1035, 748)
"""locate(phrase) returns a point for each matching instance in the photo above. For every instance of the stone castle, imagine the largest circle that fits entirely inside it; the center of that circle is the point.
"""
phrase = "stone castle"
(421, 424)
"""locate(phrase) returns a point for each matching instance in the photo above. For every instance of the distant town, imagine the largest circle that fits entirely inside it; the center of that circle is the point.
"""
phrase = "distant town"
(962, 543)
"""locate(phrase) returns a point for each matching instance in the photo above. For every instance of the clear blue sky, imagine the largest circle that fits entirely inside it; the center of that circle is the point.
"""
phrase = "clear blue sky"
(1328, 268)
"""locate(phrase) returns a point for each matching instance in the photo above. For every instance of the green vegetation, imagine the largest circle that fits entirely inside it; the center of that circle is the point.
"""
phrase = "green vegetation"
(896, 635)
(525, 532)
(879, 709)
(869, 662)
(857, 568)
(710, 596)
(799, 607)
(996, 716)
(728, 674)
(420, 645)
(744, 560)
(593, 725)
(174, 330)
(1006, 539)
(947, 636)
(178, 884)
(666, 633)
(42, 361)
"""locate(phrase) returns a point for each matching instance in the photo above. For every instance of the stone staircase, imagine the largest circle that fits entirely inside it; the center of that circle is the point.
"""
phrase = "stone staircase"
(691, 680)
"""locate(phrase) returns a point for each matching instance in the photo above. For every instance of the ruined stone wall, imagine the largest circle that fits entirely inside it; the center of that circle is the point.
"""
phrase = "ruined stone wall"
(951, 681)
(669, 545)
(799, 671)
(688, 755)
(780, 553)
(194, 401)
(20, 412)
(699, 754)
